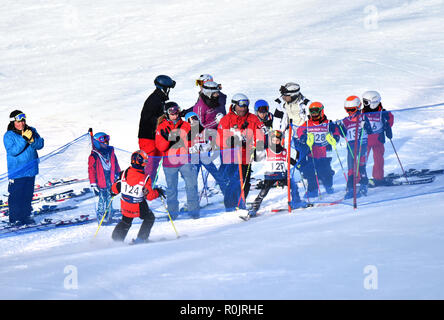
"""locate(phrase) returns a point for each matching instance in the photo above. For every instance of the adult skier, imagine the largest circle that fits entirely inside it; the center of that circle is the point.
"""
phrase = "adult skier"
(152, 110)
(172, 141)
(381, 122)
(21, 143)
(237, 135)
(294, 107)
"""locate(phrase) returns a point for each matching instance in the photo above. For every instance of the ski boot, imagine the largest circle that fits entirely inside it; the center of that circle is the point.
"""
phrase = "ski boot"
(363, 189)
(329, 190)
(138, 241)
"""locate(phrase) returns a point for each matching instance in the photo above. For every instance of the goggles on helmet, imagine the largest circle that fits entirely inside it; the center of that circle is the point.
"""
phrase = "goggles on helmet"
(276, 134)
(242, 103)
(173, 110)
(104, 138)
(315, 111)
(263, 109)
(19, 117)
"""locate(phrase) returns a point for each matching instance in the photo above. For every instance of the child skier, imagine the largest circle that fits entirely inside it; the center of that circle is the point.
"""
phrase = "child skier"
(355, 129)
(262, 110)
(103, 169)
(135, 188)
(275, 156)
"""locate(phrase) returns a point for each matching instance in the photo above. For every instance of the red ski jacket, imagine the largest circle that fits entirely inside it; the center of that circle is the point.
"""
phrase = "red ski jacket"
(96, 164)
(175, 153)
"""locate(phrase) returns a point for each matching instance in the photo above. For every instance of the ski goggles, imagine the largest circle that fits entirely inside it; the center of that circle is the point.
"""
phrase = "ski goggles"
(173, 110)
(19, 117)
(366, 102)
(351, 110)
(276, 134)
(242, 103)
(103, 139)
(315, 111)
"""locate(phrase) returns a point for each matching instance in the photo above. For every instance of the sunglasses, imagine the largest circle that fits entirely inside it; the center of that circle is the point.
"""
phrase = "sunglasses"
(104, 138)
(19, 117)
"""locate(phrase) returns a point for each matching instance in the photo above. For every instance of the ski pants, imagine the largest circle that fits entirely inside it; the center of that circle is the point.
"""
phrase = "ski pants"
(122, 228)
(233, 192)
(149, 146)
(362, 170)
(218, 176)
(189, 174)
(322, 168)
(21, 192)
(378, 158)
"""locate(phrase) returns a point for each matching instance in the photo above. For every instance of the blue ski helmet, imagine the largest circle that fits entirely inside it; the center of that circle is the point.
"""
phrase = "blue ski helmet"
(189, 115)
(261, 103)
(101, 140)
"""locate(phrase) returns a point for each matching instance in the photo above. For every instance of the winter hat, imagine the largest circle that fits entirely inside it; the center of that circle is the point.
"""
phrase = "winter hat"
(13, 114)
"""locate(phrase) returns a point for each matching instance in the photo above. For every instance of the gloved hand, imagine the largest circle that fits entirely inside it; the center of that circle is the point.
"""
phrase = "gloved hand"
(165, 133)
(310, 139)
(219, 116)
(194, 149)
(27, 135)
(161, 192)
(388, 131)
(331, 140)
(95, 189)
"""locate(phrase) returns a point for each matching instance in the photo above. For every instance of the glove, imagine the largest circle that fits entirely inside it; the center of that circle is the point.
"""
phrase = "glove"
(310, 139)
(219, 116)
(27, 135)
(388, 132)
(95, 189)
(160, 192)
(331, 140)
(165, 133)
(194, 149)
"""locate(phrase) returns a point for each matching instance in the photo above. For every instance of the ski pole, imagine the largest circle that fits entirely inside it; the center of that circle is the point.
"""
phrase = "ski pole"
(290, 134)
(169, 216)
(345, 137)
(205, 181)
(104, 215)
(245, 181)
(402, 168)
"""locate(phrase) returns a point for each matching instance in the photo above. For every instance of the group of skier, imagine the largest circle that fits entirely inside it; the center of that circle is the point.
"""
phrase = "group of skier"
(297, 136)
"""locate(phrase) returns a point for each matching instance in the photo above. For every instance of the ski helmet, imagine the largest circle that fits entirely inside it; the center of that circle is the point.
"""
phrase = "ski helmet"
(316, 110)
(191, 115)
(139, 159)
(260, 104)
(276, 134)
(352, 104)
(203, 78)
(290, 89)
(371, 99)
(241, 100)
(164, 82)
(101, 140)
(171, 107)
(209, 88)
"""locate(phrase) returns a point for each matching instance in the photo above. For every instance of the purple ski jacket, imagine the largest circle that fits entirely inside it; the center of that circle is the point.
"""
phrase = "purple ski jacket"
(207, 115)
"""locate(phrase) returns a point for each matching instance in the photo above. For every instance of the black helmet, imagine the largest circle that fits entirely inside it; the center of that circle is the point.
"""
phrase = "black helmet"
(171, 107)
(139, 159)
(164, 82)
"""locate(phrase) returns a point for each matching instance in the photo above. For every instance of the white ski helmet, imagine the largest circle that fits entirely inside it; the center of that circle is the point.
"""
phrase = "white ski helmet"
(203, 78)
(210, 87)
(371, 99)
(240, 99)
(290, 89)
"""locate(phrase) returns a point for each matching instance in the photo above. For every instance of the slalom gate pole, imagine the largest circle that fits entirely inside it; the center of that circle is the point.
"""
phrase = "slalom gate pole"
(394, 149)
(290, 135)
(241, 178)
(355, 205)
(169, 216)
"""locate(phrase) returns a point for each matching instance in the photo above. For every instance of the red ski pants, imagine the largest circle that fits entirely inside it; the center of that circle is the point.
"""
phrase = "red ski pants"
(378, 158)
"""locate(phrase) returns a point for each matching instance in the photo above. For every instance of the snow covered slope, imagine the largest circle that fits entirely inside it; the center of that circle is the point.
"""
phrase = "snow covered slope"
(71, 66)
